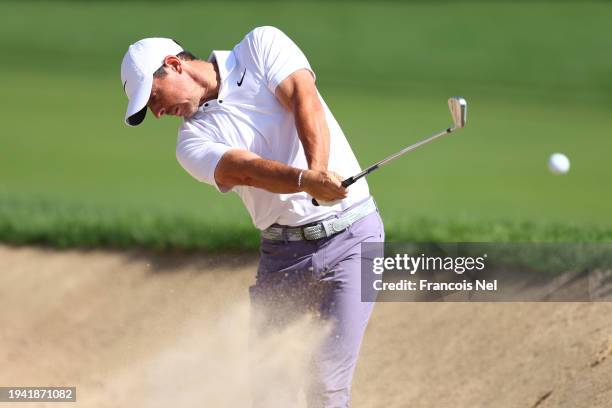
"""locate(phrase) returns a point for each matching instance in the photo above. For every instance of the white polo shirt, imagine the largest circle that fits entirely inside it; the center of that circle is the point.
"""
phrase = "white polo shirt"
(247, 115)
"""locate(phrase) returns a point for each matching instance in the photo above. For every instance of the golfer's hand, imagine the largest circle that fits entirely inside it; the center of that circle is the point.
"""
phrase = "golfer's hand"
(323, 185)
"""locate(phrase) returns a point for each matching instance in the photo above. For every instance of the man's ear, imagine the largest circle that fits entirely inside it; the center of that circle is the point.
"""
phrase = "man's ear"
(174, 63)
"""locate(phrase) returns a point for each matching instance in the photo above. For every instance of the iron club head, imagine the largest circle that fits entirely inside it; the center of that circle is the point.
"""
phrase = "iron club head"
(458, 109)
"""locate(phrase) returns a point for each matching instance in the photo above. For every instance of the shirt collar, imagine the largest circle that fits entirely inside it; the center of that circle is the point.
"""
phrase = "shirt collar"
(226, 61)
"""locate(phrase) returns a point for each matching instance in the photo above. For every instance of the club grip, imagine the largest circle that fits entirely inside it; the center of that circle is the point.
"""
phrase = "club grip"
(348, 182)
(345, 184)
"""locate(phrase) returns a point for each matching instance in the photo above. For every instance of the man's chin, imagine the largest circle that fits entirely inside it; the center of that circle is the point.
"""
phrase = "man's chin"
(189, 114)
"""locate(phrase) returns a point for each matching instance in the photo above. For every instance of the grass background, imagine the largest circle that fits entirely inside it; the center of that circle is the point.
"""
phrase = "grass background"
(537, 76)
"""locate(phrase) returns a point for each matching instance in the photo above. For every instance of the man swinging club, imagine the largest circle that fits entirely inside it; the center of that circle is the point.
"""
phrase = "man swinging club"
(255, 124)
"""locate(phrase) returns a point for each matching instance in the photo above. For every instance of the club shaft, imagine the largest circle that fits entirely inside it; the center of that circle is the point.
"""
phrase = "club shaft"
(394, 156)
(347, 182)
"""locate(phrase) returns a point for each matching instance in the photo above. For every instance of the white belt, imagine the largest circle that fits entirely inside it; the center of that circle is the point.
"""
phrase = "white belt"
(322, 229)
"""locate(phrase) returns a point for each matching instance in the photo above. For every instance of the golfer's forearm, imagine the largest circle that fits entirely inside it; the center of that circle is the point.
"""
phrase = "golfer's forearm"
(272, 176)
(312, 131)
(242, 168)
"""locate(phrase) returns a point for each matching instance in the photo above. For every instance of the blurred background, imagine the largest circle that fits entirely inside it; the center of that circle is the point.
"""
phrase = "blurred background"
(537, 77)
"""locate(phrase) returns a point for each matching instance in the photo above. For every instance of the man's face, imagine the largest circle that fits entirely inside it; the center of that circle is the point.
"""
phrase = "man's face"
(176, 93)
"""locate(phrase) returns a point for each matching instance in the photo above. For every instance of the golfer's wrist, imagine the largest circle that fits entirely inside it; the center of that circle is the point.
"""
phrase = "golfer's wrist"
(306, 179)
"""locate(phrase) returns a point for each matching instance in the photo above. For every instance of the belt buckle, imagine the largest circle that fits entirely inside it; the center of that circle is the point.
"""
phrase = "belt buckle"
(338, 225)
(333, 227)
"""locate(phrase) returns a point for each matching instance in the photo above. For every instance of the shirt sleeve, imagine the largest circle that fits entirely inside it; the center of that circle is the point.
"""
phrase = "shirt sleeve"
(199, 156)
(277, 55)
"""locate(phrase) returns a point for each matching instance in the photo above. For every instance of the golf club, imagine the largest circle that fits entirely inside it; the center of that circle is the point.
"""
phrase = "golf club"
(458, 110)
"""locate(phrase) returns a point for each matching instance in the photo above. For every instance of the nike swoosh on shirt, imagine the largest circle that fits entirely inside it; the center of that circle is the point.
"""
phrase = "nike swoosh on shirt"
(241, 79)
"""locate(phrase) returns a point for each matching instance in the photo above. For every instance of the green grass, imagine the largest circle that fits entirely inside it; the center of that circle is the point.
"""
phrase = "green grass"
(536, 76)
(42, 222)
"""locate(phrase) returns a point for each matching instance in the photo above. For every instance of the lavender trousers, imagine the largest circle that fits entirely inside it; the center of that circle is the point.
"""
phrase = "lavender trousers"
(324, 277)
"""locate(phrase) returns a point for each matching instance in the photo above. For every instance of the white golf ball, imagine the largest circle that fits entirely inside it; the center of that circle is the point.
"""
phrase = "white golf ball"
(558, 163)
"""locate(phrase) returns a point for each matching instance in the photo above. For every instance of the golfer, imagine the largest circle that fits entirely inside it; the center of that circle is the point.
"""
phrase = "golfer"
(255, 124)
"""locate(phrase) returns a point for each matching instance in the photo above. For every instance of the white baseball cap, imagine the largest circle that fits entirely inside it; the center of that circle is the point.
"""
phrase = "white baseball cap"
(141, 60)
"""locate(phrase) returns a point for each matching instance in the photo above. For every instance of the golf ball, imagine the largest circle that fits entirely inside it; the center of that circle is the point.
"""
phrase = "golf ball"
(558, 163)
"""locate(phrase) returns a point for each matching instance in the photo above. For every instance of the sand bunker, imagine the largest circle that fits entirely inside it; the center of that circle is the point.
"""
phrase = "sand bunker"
(133, 328)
